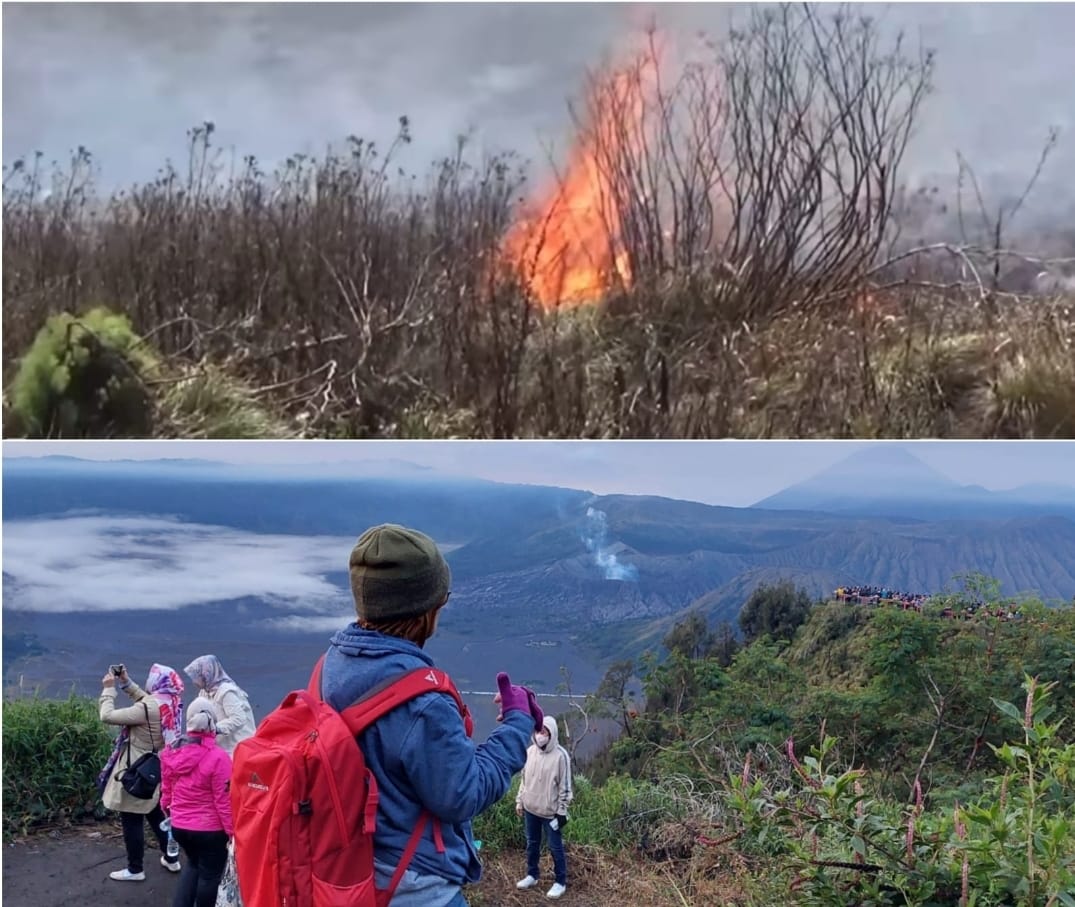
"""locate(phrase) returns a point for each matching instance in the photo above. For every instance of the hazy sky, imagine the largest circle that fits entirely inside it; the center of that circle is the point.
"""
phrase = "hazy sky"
(736, 473)
(128, 80)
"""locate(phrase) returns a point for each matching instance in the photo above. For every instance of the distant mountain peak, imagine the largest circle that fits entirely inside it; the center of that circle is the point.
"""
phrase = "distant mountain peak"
(881, 472)
(889, 480)
(887, 462)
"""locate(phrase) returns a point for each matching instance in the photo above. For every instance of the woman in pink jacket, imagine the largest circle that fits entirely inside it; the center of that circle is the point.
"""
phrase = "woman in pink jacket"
(194, 792)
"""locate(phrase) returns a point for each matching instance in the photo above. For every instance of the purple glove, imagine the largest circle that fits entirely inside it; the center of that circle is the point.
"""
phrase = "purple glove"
(515, 698)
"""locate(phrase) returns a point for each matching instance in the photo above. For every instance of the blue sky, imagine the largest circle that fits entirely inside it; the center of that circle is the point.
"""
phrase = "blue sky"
(735, 473)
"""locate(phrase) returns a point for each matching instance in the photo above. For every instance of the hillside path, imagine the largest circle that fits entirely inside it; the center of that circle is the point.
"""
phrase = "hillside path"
(70, 868)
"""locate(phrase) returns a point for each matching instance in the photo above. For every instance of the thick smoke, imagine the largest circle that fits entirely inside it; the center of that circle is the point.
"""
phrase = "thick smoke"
(595, 537)
(300, 76)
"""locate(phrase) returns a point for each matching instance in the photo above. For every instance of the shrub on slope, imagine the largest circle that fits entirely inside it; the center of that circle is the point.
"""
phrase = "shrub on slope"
(53, 750)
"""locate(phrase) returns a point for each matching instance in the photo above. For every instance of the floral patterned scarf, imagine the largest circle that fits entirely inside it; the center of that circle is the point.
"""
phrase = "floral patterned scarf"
(167, 688)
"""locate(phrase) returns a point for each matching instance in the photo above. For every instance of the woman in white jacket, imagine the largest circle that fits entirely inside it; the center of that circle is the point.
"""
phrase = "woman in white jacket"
(544, 793)
(235, 718)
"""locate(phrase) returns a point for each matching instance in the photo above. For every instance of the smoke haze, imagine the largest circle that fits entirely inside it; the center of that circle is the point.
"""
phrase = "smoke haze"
(595, 537)
(128, 80)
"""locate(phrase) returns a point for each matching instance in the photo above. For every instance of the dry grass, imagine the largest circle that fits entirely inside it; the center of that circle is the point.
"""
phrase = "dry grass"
(351, 301)
(358, 340)
(599, 879)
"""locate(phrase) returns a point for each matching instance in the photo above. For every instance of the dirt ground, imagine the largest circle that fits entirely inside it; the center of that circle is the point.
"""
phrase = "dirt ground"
(70, 868)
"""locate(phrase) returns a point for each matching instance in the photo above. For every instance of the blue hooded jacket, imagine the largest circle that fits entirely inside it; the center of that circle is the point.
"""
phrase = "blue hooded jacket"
(421, 755)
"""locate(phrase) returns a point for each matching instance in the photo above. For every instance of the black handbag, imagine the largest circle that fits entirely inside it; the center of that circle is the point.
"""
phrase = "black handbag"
(141, 778)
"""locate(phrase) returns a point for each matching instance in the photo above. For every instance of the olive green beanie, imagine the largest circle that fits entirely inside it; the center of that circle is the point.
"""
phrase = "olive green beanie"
(397, 573)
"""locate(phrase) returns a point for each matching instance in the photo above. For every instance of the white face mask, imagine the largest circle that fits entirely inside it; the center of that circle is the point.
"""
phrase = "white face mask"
(541, 739)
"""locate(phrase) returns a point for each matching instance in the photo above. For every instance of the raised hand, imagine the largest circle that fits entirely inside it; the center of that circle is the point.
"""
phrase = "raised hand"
(516, 698)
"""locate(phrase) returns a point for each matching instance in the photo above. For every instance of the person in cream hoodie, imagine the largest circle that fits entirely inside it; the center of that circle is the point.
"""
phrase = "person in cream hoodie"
(544, 794)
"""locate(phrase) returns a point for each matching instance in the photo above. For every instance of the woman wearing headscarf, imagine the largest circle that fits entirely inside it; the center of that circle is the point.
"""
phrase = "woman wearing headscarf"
(234, 717)
(146, 726)
(194, 790)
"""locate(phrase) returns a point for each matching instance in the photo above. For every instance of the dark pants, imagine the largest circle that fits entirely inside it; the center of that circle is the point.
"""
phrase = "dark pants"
(535, 825)
(207, 855)
(134, 835)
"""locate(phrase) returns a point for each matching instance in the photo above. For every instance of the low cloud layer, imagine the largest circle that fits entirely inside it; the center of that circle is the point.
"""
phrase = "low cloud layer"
(111, 563)
(301, 623)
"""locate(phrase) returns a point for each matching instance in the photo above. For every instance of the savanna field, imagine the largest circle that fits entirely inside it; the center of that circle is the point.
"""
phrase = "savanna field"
(817, 754)
(728, 249)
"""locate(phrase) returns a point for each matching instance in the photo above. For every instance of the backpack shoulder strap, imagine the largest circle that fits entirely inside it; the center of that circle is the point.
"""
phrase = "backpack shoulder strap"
(149, 727)
(385, 696)
(314, 686)
(398, 690)
(391, 693)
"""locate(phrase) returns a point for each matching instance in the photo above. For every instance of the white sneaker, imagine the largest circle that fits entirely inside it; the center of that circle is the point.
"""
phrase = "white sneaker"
(125, 875)
(528, 882)
(556, 891)
(171, 867)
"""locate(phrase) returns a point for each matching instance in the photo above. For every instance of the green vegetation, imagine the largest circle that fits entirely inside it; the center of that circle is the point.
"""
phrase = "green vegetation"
(84, 377)
(911, 771)
(908, 694)
(873, 756)
(844, 844)
(614, 816)
(53, 751)
(92, 376)
(774, 611)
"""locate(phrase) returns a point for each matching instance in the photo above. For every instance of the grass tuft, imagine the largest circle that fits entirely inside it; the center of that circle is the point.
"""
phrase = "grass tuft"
(53, 751)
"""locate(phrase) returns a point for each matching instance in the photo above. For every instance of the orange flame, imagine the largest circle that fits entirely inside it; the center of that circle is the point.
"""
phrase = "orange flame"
(567, 244)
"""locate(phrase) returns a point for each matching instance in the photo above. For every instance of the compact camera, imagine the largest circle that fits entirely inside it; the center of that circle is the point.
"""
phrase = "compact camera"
(117, 669)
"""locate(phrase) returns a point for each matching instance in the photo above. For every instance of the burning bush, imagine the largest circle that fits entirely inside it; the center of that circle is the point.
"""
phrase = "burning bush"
(726, 216)
(771, 163)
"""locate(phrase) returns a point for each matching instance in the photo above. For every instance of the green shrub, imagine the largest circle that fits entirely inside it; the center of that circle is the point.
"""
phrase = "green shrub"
(616, 815)
(53, 751)
(621, 813)
(1014, 845)
(1017, 843)
(84, 377)
(498, 828)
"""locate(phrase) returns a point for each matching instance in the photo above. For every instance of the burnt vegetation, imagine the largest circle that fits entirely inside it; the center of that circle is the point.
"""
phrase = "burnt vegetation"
(759, 259)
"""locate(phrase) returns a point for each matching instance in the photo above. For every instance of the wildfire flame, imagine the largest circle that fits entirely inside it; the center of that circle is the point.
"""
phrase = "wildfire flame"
(566, 245)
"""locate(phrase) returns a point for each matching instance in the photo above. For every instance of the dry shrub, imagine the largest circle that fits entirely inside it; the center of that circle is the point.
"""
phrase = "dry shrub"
(208, 404)
(752, 196)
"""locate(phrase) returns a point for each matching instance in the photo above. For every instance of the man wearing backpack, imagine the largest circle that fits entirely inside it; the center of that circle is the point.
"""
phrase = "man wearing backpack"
(420, 753)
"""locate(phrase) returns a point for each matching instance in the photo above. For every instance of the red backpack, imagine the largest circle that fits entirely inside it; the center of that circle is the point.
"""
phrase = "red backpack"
(305, 803)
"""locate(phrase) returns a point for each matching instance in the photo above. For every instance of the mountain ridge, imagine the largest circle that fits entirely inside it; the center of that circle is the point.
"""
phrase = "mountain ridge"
(892, 481)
